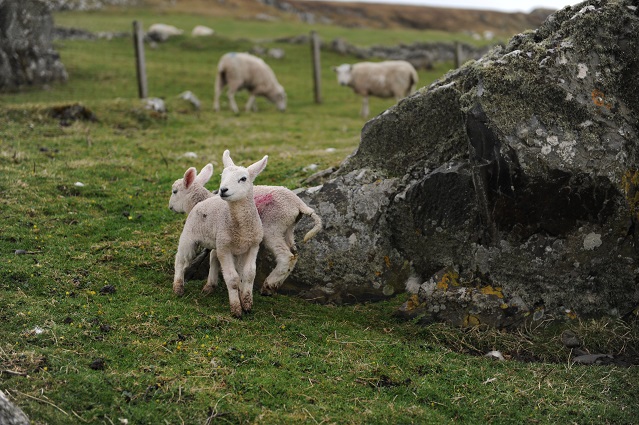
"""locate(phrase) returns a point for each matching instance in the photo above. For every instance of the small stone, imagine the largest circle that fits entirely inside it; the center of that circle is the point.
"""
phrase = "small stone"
(570, 340)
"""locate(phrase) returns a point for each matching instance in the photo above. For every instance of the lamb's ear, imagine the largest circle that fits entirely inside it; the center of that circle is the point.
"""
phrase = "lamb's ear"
(257, 168)
(205, 174)
(226, 159)
(189, 177)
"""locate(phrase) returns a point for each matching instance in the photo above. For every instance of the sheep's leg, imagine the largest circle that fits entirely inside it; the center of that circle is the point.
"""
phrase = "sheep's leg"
(219, 85)
(248, 277)
(364, 106)
(286, 258)
(232, 280)
(211, 281)
(185, 254)
(250, 104)
(231, 95)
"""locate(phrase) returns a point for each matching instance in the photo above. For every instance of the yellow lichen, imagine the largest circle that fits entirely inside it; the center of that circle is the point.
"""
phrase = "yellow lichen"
(449, 278)
(471, 320)
(412, 303)
(630, 182)
(490, 290)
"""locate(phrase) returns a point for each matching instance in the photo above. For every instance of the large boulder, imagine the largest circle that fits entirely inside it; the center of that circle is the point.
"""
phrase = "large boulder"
(27, 56)
(507, 190)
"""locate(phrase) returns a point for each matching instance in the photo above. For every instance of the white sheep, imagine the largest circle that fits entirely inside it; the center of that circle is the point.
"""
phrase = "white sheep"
(382, 79)
(279, 209)
(244, 71)
(162, 32)
(228, 225)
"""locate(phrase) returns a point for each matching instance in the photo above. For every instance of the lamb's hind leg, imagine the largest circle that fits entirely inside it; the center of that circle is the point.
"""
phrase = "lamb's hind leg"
(185, 254)
(211, 281)
(286, 258)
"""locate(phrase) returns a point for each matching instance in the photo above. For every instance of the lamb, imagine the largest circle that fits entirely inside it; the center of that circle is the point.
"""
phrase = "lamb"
(228, 225)
(245, 71)
(279, 209)
(382, 79)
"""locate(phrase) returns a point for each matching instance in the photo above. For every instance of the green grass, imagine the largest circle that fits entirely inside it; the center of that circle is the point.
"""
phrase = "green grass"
(161, 359)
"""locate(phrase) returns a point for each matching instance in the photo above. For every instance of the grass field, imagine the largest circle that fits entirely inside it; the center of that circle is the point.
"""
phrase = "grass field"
(90, 331)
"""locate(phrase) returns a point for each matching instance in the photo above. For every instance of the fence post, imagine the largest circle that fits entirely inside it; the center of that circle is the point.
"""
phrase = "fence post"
(458, 54)
(317, 74)
(140, 67)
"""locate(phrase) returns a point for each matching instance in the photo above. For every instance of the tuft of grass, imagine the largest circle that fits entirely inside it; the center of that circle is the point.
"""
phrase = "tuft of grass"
(92, 333)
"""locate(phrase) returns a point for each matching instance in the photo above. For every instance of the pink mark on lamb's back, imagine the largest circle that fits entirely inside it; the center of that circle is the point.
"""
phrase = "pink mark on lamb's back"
(263, 201)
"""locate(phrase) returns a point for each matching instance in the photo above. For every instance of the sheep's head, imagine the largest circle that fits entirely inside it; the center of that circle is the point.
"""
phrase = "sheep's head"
(237, 181)
(343, 74)
(280, 98)
(183, 189)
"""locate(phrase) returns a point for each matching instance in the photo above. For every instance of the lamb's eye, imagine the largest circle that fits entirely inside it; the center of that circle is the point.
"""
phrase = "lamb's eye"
(174, 191)
(243, 179)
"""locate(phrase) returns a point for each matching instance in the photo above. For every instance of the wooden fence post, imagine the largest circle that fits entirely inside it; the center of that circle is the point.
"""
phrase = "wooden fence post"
(140, 67)
(317, 71)
(458, 54)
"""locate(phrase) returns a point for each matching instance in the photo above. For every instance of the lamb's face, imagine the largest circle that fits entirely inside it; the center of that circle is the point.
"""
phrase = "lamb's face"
(178, 196)
(343, 74)
(235, 184)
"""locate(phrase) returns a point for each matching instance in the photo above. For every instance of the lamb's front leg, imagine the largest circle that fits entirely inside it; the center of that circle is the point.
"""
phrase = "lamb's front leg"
(211, 281)
(248, 277)
(232, 280)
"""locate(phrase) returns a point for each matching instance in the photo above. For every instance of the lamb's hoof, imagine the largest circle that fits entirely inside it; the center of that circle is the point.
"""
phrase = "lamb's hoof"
(236, 311)
(267, 292)
(178, 289)
(208, 289)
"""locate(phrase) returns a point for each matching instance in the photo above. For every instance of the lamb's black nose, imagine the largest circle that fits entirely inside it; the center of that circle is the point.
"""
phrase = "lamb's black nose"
(223, 190)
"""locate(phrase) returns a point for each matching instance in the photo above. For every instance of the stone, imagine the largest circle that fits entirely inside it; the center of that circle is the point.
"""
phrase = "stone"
(27, 57)
(517, 172)
(10, 414)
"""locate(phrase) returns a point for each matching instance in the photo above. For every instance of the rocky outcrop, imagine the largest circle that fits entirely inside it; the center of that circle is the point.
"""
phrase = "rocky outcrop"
(27, 57)
(507, 191)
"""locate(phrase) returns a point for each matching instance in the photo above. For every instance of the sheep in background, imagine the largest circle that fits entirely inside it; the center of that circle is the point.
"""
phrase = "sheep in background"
(202, 31)
(382, 79)
(228, 225)
(162, 32)
(245, 71)
(278, 207)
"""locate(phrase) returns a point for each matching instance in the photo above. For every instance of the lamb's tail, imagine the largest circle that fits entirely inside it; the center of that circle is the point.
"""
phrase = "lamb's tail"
(414, 78)
(316, 218)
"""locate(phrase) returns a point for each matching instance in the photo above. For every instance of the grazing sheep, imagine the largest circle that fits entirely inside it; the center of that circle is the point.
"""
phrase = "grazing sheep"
(244, 71)
(202, 31)
(382, 79)
(228, 225)
(162, 32)
(278, 207)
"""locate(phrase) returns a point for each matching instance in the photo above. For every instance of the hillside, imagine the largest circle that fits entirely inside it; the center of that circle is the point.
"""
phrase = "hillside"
(371, 15)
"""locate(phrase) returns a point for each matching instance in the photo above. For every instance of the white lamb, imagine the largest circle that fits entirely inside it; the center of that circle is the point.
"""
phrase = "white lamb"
(245, 71)
(279, 209)
(382, 79)
(228, 225)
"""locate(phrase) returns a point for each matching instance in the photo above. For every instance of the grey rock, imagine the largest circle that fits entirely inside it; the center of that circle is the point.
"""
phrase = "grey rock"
(590, 359)
(500, 172)
(27, 57)
(10, 414)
